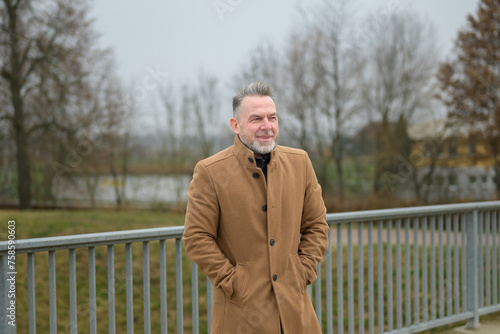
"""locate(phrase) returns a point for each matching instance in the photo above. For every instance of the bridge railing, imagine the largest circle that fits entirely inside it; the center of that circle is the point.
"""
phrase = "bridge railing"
(385, 271)
(412, 269)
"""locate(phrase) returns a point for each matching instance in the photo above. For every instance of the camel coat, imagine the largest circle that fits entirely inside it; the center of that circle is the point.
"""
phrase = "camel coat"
(259, 242)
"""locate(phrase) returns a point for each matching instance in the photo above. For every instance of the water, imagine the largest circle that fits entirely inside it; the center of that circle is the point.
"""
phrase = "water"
(149, 188)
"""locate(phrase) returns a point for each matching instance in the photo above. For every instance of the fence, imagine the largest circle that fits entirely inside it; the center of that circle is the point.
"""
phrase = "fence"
(395, 271)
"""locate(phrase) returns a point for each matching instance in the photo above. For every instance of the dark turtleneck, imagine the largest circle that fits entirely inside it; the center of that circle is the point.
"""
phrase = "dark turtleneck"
(262, 161)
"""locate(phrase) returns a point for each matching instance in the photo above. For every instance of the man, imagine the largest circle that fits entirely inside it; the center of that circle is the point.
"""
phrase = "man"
(256, 225)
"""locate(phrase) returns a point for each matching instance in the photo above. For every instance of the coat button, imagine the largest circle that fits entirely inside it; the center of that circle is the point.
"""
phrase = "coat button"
(250, 159)
(264, 208)
(272, 242)
(255, 175)
(275, 277)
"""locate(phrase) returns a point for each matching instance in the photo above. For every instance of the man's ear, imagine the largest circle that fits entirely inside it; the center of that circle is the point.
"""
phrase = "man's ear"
(234, 125)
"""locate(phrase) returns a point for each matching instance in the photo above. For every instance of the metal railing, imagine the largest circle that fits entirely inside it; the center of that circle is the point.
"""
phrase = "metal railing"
(395, 271)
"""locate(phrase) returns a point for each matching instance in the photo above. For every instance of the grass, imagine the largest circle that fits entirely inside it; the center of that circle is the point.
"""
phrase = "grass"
(35, 224)
(45, 223)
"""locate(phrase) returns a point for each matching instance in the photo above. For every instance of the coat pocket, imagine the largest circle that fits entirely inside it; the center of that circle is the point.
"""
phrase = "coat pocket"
(240, 282)
(300, 272)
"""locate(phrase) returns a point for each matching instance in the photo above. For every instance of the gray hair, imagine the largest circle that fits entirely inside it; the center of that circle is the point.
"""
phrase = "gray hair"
(257, 88)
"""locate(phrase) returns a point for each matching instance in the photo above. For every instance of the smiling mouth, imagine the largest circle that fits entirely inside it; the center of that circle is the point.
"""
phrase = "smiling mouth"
(265, 136)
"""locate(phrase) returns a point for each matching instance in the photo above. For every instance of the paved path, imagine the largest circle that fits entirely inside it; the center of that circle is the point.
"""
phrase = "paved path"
(489, 326)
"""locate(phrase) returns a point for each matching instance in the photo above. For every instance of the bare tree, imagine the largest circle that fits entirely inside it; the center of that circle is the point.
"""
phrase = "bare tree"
(204, 109)
(117, 138)
(316, 79)
(419, 171)
(340, 96)
(172, 133)
(172, 128)
(6, 163)
(302, 77)
(402, 56)
(99, 141)
(46, 48)
(176, 135)
(263, 64)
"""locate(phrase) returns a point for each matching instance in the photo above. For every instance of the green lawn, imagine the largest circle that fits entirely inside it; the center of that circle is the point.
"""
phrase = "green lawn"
(49, 223)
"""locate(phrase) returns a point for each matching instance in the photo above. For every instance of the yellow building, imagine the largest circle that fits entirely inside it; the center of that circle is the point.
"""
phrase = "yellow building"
(449, 163)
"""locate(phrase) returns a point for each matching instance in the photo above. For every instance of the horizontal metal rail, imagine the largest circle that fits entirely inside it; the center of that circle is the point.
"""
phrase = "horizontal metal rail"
(94, 239)
(385, 271)
(355, 216)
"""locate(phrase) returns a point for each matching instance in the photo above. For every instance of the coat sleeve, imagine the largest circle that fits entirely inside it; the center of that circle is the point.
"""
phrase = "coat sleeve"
(314, 229)
(200, 231)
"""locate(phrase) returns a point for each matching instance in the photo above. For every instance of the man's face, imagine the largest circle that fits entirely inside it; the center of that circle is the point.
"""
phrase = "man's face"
(257, 125)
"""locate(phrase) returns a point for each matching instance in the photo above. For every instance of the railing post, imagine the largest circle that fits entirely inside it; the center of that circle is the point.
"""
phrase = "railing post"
(472, 270)
(129, 287)
(194, 298)
(163, 287)
(72, 291)
(31, 293)
(210, 298)
(52, 292)
(318, 299)
(329, 285)
(111, 290)
(178, 288)
(340, 282)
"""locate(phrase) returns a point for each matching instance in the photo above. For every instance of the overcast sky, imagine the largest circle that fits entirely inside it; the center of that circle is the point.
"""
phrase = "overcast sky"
(176, 39)
(182, 36)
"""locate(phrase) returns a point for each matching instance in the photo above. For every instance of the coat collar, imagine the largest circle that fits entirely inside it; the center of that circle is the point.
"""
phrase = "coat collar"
(246, 156)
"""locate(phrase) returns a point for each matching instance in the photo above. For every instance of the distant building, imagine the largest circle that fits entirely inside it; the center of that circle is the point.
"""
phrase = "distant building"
(457, 165)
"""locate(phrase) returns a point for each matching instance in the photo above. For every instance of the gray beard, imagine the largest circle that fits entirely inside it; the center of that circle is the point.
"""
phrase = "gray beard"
(258, 149)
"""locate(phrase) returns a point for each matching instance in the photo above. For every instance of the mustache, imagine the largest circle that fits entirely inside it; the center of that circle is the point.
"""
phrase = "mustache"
(265, 133)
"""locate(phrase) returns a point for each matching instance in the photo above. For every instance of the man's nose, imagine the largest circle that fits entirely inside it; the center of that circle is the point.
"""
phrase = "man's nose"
(265, 124)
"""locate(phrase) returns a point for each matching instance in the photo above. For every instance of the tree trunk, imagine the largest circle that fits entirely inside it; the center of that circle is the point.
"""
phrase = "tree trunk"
(340, 178)
(382, 155)
(338, 154)
(23, 168)
(14, 77)
(497, 179)
(22, 153)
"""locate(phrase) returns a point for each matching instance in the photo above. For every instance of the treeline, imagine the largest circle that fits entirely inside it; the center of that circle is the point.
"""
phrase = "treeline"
(340, 73)
(348, 88)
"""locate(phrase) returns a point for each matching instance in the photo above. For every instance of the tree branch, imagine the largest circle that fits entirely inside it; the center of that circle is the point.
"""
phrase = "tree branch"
(47, 125)
(5, 118)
